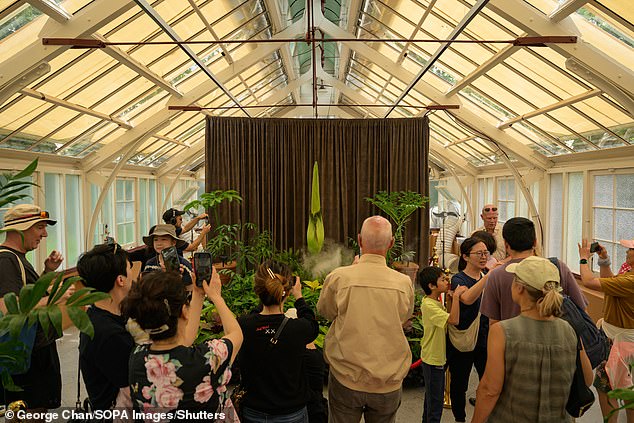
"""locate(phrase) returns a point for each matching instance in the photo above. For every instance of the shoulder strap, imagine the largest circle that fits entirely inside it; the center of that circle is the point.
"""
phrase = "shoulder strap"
(278, 332)
(22, 271)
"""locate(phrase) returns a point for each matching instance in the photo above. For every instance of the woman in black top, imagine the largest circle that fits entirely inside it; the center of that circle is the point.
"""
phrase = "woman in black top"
(273, 374)
(170, 375)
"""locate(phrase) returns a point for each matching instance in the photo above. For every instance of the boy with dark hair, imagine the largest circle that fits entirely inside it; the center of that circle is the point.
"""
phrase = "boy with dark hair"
(433, 345)
(103, 360)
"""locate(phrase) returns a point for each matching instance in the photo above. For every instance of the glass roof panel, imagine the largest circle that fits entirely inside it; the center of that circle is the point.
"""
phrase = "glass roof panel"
(622, 8)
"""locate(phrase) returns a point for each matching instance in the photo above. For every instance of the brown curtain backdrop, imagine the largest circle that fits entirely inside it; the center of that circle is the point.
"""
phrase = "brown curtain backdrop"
(270, 162)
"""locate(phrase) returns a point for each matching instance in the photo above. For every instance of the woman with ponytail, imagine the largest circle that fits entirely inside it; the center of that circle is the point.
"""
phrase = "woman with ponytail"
(169, 373)
(272, 370)
(532, 357)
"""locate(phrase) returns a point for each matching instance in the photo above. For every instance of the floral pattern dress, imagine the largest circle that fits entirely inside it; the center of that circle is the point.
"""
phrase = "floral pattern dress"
(182, 378)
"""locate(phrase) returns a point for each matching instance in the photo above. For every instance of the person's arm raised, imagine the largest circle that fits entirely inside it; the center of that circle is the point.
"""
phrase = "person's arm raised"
(232, 329)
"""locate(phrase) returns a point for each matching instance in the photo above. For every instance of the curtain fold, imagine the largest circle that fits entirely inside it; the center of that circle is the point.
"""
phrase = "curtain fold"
(270, 161)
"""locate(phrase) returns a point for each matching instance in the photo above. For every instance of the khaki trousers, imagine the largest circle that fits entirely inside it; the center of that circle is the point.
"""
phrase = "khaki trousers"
(347, 406)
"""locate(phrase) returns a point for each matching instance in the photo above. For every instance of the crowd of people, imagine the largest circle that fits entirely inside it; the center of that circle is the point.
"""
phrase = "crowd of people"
(501, 313)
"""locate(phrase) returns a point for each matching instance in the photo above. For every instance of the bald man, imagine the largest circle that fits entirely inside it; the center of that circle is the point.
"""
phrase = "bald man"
(365, 347)
(490, 218)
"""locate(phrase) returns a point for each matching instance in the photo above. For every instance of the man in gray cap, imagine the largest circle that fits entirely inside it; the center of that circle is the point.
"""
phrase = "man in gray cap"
(25, 228)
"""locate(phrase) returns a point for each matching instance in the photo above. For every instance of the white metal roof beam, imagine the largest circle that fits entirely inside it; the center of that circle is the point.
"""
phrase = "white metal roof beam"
(180, 160)
(550, 108)
(466, 19)
(531, 20)
(109, 152)
(493, 61)
(72, 106)
(378, 112)
(127, 60)
(83, 23)
(529, 156)
(51, 9)
(351, 19)
(275, 14)
(172, 140)
(565, 9)
(158, 19)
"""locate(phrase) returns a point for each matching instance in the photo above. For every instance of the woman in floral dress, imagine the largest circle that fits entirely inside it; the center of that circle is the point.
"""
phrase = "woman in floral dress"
(169, 375)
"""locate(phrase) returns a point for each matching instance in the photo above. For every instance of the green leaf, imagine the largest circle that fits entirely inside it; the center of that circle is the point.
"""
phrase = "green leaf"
(81, 320)
(42, 316)
(7, 381)
(78, 294)
(58, 279)
(22, 184)
(16, 324)
(57, 295)
(55, 315)
(11, 303)
(35, 292)
(91, 299)
(28, 171)
(11, 199)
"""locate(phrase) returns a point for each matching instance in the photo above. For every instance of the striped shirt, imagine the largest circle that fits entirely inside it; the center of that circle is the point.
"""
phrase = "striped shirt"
(540, 360)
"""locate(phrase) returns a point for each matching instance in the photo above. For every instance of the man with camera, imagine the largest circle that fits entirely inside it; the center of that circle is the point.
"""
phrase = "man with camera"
(618, 314)
(175, 217)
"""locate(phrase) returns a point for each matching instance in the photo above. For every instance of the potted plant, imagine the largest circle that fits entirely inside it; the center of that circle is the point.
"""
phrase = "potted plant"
(24, 312)
(399, 206)
(210, 201)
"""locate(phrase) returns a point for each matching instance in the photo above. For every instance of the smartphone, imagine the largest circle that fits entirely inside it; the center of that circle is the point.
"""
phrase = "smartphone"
(170, 258)
(109, 240)
(594, 247)
(202, 267)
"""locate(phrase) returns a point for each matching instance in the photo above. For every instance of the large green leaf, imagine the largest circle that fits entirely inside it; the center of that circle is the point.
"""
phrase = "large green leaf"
(22, 184)
(81, 320)
(31, 294)
(91, 299)
(57, 295)
(11, 199)
(11, 303)
(7, 382)
(57, 276)
(16, 324)
(42, 316)
(55, 315)
(28, 171)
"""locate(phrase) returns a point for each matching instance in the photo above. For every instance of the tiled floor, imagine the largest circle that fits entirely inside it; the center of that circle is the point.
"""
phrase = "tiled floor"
(409, 412)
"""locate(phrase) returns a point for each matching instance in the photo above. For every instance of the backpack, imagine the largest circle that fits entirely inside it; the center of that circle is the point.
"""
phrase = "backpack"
(594, 339)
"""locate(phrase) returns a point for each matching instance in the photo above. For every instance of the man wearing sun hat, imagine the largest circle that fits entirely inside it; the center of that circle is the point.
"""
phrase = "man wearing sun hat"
(25, 227)
(618, 311)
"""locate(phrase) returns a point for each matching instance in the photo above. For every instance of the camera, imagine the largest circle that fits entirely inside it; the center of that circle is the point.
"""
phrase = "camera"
(595, 247)
(170, 259)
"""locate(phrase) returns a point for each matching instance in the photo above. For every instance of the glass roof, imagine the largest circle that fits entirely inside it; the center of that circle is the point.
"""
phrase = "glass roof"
(92, 100)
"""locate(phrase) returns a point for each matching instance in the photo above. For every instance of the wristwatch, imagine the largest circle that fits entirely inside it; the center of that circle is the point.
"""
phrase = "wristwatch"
(583, 261)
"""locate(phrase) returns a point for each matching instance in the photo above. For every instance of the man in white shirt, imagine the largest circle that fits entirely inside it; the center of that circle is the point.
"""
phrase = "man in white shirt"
(490, 218)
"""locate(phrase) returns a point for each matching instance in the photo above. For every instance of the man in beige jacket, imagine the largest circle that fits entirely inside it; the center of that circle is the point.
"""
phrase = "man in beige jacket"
(365, 347)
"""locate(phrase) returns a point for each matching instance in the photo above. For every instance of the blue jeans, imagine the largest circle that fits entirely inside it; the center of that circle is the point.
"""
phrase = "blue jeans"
(250, 415)
(434, 377)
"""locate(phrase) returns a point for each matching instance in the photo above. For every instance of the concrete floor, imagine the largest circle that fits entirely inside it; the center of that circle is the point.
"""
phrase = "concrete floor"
(409, 412)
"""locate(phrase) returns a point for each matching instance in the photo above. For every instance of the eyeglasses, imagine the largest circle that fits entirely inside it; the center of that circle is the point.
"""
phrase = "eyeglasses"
(488, 209)
(481, 253)
(42, 215)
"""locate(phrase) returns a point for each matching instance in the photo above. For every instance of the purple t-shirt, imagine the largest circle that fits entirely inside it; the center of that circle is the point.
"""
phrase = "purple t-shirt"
(497, 303)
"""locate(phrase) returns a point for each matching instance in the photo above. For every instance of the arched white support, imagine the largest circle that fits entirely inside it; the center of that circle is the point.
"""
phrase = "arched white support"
(172, 185)
(462, 189)
(104, 190)
(532, 209)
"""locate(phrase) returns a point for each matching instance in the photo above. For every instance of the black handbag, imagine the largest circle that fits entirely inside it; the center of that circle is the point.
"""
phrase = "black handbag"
(581, 397)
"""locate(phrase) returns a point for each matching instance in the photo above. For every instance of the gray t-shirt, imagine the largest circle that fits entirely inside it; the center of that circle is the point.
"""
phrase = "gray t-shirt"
(497, 303)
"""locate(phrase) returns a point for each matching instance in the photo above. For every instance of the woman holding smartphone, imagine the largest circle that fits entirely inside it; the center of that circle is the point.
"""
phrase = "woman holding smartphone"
(165, 242)
(274, 349)
(169, 373)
